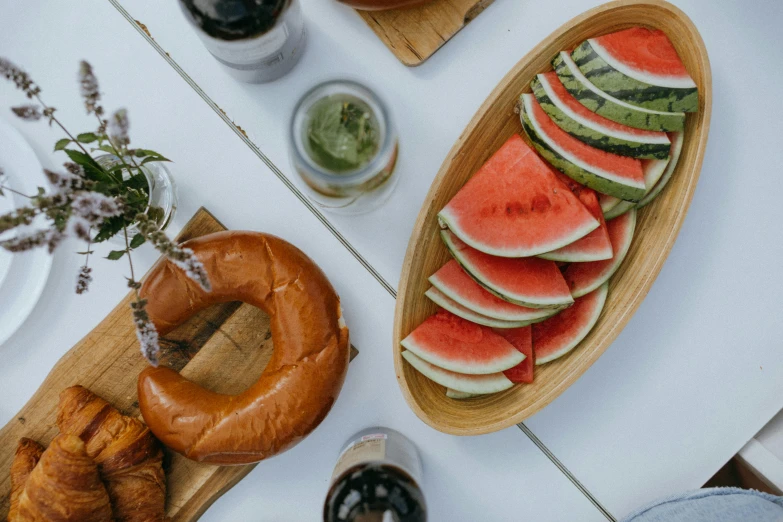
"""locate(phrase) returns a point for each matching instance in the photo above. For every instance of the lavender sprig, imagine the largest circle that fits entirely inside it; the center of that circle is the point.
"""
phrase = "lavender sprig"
(146, 332)
(184, 258)
(28, 112)
(84, 279)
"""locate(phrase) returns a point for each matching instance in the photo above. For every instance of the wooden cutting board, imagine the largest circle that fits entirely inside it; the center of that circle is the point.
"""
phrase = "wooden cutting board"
(207, 349)
(415, 33)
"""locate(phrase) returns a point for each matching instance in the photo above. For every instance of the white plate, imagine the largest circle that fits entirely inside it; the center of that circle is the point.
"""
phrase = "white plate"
(22, 276)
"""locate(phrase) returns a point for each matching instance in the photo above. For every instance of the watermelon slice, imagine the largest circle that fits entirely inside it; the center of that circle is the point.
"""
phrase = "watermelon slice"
(607, 202)
(456, 284)
(512, 206)
(583, 278)
(677, 141)
(437, 297)
(468, 384)
(607, 173)
(596, 245)
(526, 281)
(639, 66)
(522, 340)
(653, 170)
(560, 334)
(452, 343)
(593, 129)
(610, 107)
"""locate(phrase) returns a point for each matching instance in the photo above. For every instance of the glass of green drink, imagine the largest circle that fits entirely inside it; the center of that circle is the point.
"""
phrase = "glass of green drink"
(344, 147)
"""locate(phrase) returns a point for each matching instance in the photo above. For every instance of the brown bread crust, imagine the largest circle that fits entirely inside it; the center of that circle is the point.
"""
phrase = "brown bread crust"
(303, 377)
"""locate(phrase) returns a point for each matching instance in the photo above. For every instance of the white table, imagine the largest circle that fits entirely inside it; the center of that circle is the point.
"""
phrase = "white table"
(694, 375)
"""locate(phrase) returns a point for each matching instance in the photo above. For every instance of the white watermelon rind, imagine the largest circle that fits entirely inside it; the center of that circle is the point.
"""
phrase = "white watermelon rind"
(530, 314)
(581, 291)
(580, 334)
(521, 300)
(619, 209)
(445, 302)
(590, 175)
(610, 107)
(474, 384)
(458, 395)
(679, 139)
(447, 220)
(607, 203)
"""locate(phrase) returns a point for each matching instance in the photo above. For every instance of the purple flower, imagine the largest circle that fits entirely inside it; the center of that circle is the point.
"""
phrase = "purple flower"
(28, 112)
(146, 332)
(94, 207)
(118, 128)
(84, 279)
(89, 89)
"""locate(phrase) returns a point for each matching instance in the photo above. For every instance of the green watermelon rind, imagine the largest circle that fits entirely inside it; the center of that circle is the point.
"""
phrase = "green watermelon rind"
(475, 384)
(579, 335)
(458, 395)
(595, 64)
(581, 291)
(531, 316)
(610, 107)
(445, 302)
(667, 175)
(619, 209)
(591, 133)
(519, 300)
(567, 166)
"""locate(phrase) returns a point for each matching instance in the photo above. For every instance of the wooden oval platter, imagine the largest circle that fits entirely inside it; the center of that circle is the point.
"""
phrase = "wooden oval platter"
(657, 227)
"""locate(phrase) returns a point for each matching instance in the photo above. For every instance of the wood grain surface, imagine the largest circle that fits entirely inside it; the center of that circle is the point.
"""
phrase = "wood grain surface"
(656, 230)
(208, 349)
(413, 34)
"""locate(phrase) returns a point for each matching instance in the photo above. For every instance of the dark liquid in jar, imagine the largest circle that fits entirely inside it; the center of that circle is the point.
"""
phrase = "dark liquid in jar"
(364, 493)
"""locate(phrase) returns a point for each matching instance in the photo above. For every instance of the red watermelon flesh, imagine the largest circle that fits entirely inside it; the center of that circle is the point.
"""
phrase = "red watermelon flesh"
(522, 340)
(560, 334)
(452, 343)
(583, 278)
(648, 52)
(563, 96)
(454, 282)
(526, 281)
(596, 245)
(512, 206)
(622, 169)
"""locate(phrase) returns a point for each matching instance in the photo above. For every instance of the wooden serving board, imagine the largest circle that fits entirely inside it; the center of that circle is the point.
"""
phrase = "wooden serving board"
(656, 229)
(413, 34)
(207, 349)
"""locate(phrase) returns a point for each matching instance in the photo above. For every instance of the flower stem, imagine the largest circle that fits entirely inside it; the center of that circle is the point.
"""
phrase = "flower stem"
(9, 189)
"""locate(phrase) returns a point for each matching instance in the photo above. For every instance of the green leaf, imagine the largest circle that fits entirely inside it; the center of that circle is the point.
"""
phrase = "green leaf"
(109, 228)
(90, 166)
(137, 241)
(137, 181)
(88, 252)
(104, 148)
(87, 137)
(61, 144)
(114, 255)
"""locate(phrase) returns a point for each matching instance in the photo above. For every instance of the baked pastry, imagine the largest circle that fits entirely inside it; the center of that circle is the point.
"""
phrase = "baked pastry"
(129, 458)
(301, 381)
(28, 453)
(63, 487)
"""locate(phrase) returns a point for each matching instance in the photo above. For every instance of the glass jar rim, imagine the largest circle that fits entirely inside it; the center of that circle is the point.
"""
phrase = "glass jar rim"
(365, 94)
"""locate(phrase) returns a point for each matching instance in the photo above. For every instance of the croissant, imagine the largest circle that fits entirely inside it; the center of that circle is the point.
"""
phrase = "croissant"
(129, 458)
(28, 453)
(64, 487)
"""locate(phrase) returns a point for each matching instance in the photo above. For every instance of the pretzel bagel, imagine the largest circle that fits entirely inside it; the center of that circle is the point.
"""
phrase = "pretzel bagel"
(303, 378)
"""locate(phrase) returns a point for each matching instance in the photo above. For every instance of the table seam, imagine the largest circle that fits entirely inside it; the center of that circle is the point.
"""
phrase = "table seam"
(337, 234)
